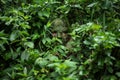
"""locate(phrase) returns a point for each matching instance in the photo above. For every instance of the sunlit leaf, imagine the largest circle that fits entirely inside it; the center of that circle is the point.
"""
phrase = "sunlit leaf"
(29, 44)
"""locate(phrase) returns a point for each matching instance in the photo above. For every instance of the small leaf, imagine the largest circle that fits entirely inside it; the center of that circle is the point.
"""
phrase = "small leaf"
(110, 69)
(46, 13)
(86, 42)
(25, 71)
(25, 55)
(95, 27)
(43, 41)
(70, 63)
(92, 4)
(48, 24)
(29, 44)
(13, 35)
(81, 73)
(52, 58)
(25, 26)
(41, 62)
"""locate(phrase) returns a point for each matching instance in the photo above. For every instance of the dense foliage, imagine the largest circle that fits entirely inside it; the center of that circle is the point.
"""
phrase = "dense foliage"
(59, 39)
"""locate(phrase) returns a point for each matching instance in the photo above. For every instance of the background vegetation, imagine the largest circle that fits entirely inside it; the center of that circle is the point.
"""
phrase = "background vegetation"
(59, 39)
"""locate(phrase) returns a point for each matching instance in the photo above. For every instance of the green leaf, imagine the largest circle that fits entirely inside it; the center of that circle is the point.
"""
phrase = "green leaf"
(41, 62)
(110, 69)
(46, 40)
(118, 74)
(96, 27)
(48, 24)
(25, 71)
(46, 13)
(53, 64)
(70, 63)
(86, 42)
(14, 35)
(25, 55)
(92, 4)
(29, 44)
(113, 77)
(81, 73)
(25, 26)
(52, 57)
(2, 34)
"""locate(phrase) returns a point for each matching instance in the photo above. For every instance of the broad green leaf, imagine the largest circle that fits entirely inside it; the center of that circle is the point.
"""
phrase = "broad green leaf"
(46, 13)
(14, 35)
(41, 62)
(29, 44)
(110, 69)
(70, 63)
(118, 74)
(25, 55)
(52, 58)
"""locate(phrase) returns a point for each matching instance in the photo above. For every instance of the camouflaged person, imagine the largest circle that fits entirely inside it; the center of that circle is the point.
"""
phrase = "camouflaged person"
(59, 28)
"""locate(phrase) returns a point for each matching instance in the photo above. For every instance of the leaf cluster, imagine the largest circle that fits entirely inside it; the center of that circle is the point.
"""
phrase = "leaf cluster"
(59, 39)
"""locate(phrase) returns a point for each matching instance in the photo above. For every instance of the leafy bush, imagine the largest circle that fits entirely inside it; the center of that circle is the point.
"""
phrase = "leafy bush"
(59, 40)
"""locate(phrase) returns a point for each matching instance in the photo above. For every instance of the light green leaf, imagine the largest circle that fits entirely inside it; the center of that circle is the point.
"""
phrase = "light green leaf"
(52, 58)
(25, 55)
(70, 63)
(92, 4)
(29, 44)
(14, 35)
(25, 71)
(46, 13)
(41, 62)
(118, 74)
